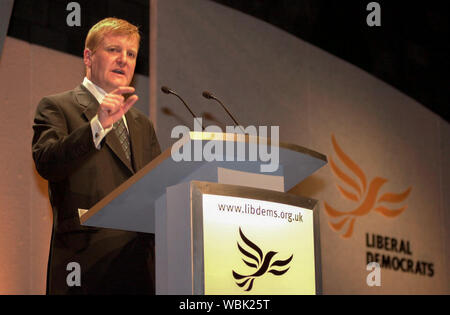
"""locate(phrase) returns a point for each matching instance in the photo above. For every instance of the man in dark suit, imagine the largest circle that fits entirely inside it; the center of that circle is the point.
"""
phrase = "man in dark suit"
(86, 142)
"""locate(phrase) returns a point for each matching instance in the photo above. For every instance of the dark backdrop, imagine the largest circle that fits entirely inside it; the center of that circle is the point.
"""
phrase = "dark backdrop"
(410, 50)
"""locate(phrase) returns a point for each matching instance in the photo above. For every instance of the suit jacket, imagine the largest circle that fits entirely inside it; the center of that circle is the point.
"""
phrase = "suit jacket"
(79, 175)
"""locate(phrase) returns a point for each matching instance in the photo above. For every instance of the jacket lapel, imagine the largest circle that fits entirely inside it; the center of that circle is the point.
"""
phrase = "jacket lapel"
(86, 99)
(134, 129)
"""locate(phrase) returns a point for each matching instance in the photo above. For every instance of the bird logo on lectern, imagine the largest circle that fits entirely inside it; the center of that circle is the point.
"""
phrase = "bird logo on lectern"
(365, 196)
(262, 263)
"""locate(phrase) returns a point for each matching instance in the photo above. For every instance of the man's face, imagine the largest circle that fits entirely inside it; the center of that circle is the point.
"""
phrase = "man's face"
(113, 62)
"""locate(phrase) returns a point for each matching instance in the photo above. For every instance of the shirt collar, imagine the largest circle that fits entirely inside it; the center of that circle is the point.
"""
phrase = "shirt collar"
(97, 91)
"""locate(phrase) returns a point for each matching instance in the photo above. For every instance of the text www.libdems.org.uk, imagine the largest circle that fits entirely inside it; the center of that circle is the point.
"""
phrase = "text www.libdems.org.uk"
(249, 209)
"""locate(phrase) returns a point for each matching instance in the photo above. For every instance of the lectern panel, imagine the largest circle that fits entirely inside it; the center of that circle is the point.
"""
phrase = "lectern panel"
(254, 241)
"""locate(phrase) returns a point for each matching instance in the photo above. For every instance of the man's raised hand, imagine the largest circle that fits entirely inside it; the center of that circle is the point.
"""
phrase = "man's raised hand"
(114, 105)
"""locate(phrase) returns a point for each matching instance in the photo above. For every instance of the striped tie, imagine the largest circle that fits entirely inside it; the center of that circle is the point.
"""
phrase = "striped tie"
(122, 134)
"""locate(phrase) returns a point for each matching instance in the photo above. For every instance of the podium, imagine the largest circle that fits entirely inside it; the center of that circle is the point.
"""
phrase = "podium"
(221, 225)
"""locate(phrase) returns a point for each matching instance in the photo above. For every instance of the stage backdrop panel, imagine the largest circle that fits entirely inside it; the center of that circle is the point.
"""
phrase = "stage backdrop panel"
(382, 196)
(5, 14)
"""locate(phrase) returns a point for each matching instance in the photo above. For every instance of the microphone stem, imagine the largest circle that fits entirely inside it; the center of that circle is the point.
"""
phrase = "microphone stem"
(193, 115)
(226, 109)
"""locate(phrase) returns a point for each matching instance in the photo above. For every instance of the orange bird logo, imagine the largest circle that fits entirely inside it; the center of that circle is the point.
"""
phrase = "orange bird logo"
(365, 195)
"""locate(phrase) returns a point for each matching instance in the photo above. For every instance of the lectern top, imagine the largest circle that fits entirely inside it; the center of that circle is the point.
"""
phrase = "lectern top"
(138, 194)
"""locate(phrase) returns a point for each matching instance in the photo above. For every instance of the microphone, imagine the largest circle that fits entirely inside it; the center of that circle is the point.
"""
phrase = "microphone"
(166, 90)
(209, 96)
